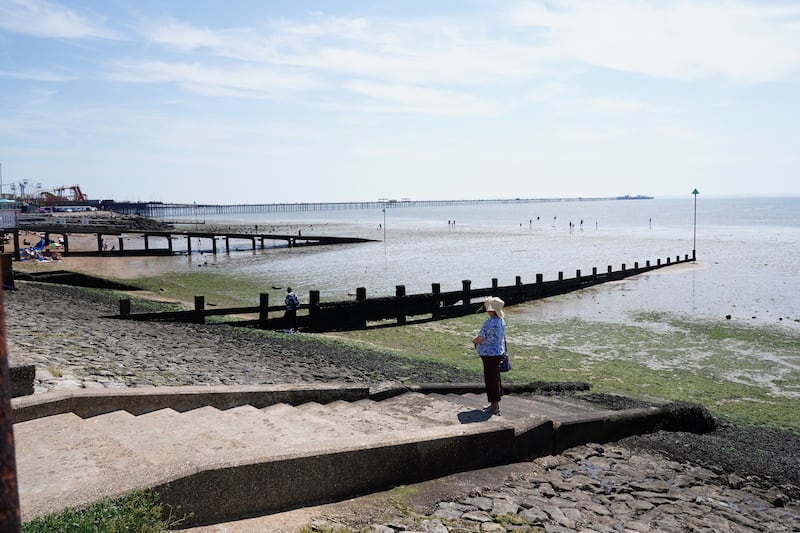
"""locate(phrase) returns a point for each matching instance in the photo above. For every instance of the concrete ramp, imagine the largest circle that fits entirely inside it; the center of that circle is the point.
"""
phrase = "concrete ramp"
(226, 452)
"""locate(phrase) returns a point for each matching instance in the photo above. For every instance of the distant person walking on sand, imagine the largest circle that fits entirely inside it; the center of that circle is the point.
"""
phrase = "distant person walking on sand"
(290, 316)
(489, 344)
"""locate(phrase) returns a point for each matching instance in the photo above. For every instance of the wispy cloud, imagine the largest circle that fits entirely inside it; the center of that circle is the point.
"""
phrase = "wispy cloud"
(424, 100)
(40, 18)
(743, 42)
(245, 81)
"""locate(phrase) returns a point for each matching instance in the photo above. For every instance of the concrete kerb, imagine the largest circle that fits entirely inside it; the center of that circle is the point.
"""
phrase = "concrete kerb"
(88, 403)
(270, 486)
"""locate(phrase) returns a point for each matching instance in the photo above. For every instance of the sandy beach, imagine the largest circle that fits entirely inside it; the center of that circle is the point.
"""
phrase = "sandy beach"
(66, 333)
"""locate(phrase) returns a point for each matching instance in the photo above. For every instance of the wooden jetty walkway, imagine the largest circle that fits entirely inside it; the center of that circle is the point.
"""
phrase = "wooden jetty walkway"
(112, 241)
(402, 308)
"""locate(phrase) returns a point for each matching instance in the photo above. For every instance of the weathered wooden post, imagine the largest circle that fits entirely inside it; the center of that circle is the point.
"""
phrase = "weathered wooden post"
(213, 245)
(648, 263)
(199, 307)
(263, 309)
(125, 307)
(610, 270)
(227, 244)
(169, 244)
(9, 493)
(636, 266)
(539, 279)
(400, 292)
(594, 272)
(436, 302)
(578, 275)
(669, 261)
(66, 244)
(146, 241)
(189, 243)
(361, 294)
(121, 244)
(494, 284)
(466, 295)
(561, 276)
(17, 249)
(313, 311)
(623, 268)
(658, 262)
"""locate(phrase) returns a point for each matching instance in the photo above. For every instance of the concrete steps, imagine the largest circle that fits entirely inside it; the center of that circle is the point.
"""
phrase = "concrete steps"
(219, 457)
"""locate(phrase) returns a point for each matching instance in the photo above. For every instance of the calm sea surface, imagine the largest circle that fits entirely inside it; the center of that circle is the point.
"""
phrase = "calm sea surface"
(748, 252)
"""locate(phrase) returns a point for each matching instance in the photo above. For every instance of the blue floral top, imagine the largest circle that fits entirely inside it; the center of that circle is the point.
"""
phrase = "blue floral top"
(492, 331)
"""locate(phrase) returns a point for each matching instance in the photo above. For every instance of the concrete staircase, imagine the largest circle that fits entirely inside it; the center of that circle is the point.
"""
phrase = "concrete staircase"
(226, 452)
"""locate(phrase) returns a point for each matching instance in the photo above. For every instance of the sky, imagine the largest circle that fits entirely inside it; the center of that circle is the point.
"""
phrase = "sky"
(248, 101)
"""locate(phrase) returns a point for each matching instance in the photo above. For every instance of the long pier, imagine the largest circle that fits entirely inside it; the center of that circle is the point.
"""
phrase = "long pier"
(111, 242)
(164, 210)
(402, 308)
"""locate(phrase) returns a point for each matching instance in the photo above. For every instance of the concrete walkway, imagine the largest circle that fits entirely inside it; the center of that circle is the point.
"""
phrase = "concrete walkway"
(227, 452)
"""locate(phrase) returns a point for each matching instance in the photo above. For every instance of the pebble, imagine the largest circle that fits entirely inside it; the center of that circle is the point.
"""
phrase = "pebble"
(628, 492)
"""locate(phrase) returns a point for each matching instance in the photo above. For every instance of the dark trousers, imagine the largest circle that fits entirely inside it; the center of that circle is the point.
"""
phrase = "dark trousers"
(491, 376)
(290, 319)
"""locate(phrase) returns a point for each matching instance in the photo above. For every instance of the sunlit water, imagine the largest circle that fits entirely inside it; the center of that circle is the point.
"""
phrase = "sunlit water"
(747, 251)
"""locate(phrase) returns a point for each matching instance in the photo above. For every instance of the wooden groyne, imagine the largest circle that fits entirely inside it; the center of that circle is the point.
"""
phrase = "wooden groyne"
(112, 242)
(402, 308)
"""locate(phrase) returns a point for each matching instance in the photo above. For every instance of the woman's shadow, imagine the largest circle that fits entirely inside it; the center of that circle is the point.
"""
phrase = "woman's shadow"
(476, 415)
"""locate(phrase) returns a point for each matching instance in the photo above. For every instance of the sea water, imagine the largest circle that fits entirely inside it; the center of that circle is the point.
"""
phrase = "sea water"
(747, 253)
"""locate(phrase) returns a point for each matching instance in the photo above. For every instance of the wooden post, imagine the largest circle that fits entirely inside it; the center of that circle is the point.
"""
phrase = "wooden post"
(66, 244)
(594, 272)
(560, 276)
(466, 297)
(263, 308)
(199, 307)
(494, 284)
(125, 307)
(539, 279)
(436, 302)
(361, 294)
(121, 244)
(636, 265)
(253, 242)
(623, 268)
(169, 244)
(400, 292)
(610, 270)
(313, 311)
(648, 263)
(146, 241)
(658, 262)
(578, 274)
(9, 493)
(669, 262)
(189, 243)
(17, 250)
(213, 245)
(227, 244)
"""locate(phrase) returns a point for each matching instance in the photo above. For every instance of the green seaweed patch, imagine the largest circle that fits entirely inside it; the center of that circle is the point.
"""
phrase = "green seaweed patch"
(220, 288)
(733, 373)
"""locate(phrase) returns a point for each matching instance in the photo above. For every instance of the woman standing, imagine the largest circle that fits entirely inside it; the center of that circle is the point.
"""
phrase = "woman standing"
(489, 344)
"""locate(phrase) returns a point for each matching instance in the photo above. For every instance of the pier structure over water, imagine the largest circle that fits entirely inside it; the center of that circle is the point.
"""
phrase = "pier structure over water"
(165, 210)
(112, 242)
